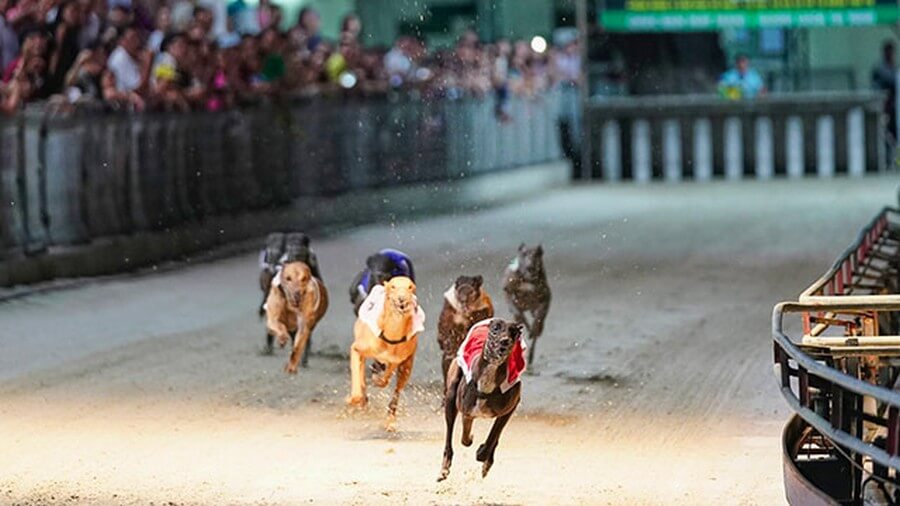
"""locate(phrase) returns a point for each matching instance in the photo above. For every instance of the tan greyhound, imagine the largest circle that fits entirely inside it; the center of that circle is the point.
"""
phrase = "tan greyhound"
(387, 330)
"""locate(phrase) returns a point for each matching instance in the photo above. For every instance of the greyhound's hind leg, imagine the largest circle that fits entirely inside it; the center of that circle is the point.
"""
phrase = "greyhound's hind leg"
(304, 362)
(450, 413)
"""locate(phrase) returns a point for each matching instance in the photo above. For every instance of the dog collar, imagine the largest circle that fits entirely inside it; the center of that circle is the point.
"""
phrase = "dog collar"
(450, 297)
(392, 341)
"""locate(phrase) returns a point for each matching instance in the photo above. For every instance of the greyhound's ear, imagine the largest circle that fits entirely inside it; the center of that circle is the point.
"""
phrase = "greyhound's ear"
(520, 329)
(539, 250)
(304, 240)
(478, 280)
(521, 246)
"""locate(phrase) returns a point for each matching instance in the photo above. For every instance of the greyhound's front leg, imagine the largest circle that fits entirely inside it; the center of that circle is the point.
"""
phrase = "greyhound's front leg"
(279, 330)
(300, 343)
(537, 328)
(304, 362)
(450, 412)
(485, 452)
(519, 317)
(274, 325)
(540, 316)
(357, 378)
(466, 438)
(403, 373)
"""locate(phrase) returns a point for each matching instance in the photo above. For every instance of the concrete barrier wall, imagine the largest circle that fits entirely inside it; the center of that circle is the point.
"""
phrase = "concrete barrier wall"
(94, 193)
(675, 138)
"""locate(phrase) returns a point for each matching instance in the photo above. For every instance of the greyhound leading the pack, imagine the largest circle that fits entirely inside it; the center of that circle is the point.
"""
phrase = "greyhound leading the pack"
(484, 382)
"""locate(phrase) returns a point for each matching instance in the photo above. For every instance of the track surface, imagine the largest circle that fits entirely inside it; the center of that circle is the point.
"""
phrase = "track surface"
(653, 381)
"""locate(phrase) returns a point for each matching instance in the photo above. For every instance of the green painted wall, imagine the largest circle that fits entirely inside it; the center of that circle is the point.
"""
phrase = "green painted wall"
(332, 12)
(381, 18)
(523, 19)
(442, 21)
(856, 48)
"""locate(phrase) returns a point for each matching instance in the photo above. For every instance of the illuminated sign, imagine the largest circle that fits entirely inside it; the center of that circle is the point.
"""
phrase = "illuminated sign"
(705, 15)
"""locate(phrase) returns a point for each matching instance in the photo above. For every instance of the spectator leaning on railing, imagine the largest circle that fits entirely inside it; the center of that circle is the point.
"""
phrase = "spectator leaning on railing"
(200, 55)
(742, 81)
(128, 69)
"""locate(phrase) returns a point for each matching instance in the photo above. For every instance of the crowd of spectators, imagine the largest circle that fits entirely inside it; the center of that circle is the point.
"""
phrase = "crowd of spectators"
(191, 56)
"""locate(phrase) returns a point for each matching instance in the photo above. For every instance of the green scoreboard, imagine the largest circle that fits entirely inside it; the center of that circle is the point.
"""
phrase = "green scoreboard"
(706, 15)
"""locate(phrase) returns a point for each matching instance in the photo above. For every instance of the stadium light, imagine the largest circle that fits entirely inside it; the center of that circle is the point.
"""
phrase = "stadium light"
(347, 80)
(538, 44)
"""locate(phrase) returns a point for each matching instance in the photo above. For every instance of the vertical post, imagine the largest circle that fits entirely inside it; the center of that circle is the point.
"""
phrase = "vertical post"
(703, 149)
(641, 154)
(803, 386)
(581, 14)
(825, 146)
(671, 133)
(611, 147)
(856, 143)
(837, 406)
(794, 149)
(765, 148)
(893, 439)
(734, 149)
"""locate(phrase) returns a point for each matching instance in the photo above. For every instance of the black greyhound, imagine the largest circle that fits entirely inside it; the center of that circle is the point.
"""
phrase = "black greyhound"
(380, 267)
(527, 291)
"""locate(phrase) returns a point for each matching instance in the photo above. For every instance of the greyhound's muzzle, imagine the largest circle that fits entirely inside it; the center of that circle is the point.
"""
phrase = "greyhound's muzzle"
(402, 305)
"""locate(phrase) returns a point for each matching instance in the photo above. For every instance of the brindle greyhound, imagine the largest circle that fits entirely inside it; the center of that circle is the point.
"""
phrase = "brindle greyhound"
(296, 304)
(465, 304)
(281, 249)
(488, 394)
(526, 289)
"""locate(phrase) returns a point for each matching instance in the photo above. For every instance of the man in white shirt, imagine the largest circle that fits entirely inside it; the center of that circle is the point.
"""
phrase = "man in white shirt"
(124, 62)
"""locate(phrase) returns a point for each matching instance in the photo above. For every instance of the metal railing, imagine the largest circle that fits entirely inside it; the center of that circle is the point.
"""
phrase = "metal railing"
(839, 376)
(68, 179)
(702, 137)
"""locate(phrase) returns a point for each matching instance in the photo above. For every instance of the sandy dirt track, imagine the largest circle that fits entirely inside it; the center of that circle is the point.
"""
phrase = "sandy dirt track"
(653, 382)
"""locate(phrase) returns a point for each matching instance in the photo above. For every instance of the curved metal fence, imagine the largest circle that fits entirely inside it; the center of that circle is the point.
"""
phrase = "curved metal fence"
(841, 375)
(68, 179)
